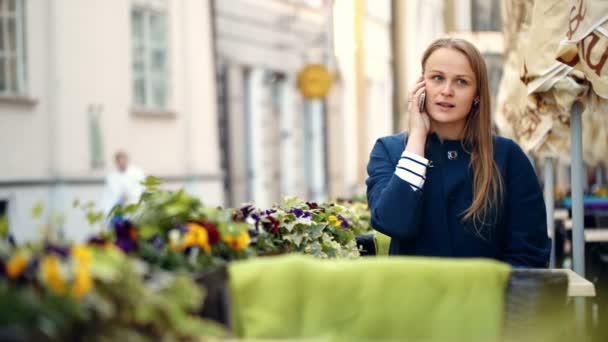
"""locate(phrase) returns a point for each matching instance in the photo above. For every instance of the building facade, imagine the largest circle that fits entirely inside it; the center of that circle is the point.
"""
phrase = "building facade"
(273, 139)
(82, 79)
(202, 94)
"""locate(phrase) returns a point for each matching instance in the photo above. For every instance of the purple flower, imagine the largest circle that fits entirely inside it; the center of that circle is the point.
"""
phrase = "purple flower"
(307, 214)
(344, 223)
(126, 245)
(11, 240)
(157, 242)
(97, 241)
(246, 210)
(126, 235)
(273, 225)
(312, 205)
(60, 251)
(253, 233)
(256, 217)
(298, 212)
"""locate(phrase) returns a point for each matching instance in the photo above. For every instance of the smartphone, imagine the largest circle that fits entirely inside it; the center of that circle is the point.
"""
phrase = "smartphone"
(422, 102)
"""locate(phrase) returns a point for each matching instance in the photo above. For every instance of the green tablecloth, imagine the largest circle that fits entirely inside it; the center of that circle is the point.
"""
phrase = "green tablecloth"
(368, 299)
(383, 243)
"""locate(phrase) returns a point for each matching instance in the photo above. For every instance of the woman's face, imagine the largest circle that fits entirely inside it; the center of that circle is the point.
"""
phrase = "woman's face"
(450, 89)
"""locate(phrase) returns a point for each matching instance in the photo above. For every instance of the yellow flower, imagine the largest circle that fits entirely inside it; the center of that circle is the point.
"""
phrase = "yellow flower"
(189, 240)
(196, 236)
(83, 282)
(82, 254)
(335, 221)
(239, 242)
(16, 265)
(51, 273)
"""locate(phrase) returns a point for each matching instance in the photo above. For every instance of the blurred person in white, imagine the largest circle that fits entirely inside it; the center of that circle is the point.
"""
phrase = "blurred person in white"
(122, 186)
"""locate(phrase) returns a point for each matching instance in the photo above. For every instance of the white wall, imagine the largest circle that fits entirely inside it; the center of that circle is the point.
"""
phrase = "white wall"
(24, 136)
(378, 87)
(79, 54)
(266, 37)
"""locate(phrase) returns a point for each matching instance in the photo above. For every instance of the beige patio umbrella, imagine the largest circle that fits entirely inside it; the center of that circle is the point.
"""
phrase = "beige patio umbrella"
(535, 112)
(585, 48)
(532, 121)
(564, 64)
(516, 18)
(537, 91)
(555, 53)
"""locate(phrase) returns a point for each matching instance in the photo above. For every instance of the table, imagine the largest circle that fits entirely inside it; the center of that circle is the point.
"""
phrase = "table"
(577, 285)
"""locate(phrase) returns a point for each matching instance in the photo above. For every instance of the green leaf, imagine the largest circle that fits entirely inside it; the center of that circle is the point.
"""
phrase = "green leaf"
(147, 231)
(293, 202)
(131, 208)
(4, 224)
(289, 226)
(316, 231)
(37, 209)
(174, 209)
(94, 217)
(297, 239)
(151, 182)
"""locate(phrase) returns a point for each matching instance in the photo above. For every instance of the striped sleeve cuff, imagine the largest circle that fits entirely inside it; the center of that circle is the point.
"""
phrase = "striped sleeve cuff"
(412, 169)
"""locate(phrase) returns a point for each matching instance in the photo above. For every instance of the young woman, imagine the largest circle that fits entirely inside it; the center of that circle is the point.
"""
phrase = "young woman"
(448, 187)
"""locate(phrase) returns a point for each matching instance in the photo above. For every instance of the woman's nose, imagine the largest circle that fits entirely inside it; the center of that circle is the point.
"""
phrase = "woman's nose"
(447, 89)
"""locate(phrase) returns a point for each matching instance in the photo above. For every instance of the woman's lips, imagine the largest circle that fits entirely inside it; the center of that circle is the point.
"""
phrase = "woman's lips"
(445, 105)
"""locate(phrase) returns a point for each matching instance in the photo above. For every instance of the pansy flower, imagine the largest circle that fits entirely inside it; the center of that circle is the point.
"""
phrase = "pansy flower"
(272, 224)
(239, 242)
(17, 264)
(246, 210)
(57, 250)
(83, 282)
(297, 212)
(52, 274)
(126, 235)
(334, 221)
(196, 236)
(344, 223)
(212, 232)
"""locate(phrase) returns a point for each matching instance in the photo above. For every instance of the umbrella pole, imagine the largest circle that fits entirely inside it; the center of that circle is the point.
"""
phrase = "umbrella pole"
(550, 204)
(578, 234)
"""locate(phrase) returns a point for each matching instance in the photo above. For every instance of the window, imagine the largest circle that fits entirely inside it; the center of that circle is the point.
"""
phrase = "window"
(494, 63)
(486, 15)
(380, 10)
(149, 31)
(3, 207)
(12, 47)
(310, 3)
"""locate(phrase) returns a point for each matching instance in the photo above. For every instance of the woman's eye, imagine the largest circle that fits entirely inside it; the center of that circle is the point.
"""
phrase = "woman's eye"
(437, 78)
(462, 82)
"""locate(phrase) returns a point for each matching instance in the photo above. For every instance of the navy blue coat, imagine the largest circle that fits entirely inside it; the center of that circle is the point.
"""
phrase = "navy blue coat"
(429, 222)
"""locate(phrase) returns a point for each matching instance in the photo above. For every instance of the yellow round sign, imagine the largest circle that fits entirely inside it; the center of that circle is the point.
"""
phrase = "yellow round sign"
(314, 81)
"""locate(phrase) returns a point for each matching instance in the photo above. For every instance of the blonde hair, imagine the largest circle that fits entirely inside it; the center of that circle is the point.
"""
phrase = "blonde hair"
(487, 182)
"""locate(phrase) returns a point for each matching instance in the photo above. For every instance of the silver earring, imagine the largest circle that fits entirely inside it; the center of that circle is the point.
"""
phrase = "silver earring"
(476, 102)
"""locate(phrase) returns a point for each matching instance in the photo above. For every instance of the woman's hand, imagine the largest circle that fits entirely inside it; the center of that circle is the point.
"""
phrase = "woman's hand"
(419, 121)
